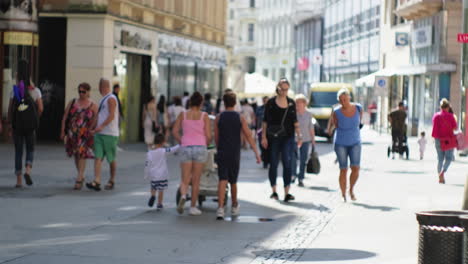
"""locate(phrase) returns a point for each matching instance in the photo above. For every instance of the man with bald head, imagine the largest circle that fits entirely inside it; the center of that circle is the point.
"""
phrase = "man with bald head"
(106, 136)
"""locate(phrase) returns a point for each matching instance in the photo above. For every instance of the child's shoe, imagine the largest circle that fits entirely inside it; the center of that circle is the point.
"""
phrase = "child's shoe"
(220, 213)
(195, 211)
(151, 201)
(159, 207)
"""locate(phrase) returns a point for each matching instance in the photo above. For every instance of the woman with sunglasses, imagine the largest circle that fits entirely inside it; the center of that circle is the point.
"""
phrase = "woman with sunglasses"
(281, 125)
(77, 122)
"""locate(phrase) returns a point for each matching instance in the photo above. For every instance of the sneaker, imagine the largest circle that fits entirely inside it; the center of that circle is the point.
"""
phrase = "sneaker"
(274, 196)
(235, 210)
(289, 197)
(195, 211)
(159, 207)
(220, 213)
(180, 206)
(151, 201)
(28, 179)
(301, 184)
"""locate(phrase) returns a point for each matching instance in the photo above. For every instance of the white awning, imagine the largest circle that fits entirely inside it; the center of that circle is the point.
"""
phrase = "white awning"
(369, 80)
(425, 68)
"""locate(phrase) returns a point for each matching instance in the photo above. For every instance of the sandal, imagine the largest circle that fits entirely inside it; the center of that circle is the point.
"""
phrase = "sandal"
(94, 186)
(78, 185)
(109, 185)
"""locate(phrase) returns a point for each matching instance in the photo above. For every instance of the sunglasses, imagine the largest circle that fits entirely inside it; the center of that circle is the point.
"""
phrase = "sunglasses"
(82, 91)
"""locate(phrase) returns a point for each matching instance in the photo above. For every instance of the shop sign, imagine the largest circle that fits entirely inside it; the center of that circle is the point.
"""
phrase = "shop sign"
(401, 39)
(18, 15)
(462, 38)
(128, 36)
(20, 38)
(186, 47)
(422, 37)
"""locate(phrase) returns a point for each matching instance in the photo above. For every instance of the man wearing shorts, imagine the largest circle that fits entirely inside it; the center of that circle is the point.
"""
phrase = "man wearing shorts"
(228, 127)
(106, 136)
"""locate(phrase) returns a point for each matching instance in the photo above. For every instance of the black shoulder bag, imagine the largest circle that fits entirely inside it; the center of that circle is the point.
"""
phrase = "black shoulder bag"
(277, 131)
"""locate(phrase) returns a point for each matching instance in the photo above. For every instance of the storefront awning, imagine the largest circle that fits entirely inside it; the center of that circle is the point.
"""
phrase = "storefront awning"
(369, 80)
(425, 68)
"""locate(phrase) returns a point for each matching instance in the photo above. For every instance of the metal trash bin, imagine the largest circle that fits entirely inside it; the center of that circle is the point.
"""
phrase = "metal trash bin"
(464, 224)
(440, 237)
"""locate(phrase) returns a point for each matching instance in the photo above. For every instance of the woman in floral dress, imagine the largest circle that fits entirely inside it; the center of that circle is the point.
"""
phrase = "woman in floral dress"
(77, 122)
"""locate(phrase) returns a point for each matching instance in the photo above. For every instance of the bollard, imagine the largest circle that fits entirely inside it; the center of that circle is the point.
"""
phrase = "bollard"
(440, 237)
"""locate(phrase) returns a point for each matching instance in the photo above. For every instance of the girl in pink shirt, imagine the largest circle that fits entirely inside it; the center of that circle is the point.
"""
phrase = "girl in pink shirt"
(196, 134)
(443, 125)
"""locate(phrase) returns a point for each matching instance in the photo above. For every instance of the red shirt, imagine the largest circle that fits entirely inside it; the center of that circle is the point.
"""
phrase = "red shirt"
(443, 124)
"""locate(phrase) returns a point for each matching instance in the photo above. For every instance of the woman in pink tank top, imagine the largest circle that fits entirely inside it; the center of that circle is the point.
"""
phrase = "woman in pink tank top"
(196, 135)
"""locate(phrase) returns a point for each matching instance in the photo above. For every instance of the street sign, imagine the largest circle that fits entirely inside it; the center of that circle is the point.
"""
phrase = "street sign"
(401, 39)
(462, 38)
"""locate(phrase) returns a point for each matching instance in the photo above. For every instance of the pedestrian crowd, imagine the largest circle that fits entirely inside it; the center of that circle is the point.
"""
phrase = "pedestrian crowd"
(282, 126)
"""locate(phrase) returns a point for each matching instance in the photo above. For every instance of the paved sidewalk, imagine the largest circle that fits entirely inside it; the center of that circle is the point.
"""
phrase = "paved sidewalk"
(50, 223)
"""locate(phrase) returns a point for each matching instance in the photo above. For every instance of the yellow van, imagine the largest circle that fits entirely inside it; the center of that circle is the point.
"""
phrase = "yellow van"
(322, 98)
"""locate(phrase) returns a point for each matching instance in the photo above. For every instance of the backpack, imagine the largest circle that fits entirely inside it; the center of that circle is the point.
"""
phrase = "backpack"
(25, 116)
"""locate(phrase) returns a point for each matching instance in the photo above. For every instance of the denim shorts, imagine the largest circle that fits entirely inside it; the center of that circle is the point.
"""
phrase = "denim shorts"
(353, 152)
(193, 154)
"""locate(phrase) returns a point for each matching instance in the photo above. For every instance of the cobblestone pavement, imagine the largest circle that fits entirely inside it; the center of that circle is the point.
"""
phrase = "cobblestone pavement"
(289, 246)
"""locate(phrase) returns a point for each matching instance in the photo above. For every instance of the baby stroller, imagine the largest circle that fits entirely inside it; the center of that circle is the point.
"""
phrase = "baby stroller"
(208, 180)
(399, 147)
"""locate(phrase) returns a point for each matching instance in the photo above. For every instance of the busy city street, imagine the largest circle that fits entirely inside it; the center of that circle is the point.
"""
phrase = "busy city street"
(233, 131)
(52, 223)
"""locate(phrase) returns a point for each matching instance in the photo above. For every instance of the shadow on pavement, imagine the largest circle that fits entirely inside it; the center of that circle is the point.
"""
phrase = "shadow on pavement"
(406, 172)
(302, 205)
(323, 189)
(317, 254)
(376, 207)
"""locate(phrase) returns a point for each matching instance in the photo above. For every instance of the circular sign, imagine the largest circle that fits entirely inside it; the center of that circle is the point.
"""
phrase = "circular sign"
(381, 83)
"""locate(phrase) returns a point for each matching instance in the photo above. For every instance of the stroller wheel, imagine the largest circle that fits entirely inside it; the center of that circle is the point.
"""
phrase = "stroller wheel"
(201, 199)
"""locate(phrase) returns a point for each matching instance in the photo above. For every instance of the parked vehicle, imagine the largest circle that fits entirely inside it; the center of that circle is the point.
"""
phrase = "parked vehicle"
(321, 103)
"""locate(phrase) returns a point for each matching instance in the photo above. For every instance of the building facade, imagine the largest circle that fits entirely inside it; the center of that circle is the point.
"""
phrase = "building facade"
(240, 39)
(308, 41)
(159, 47)
(434, 71)
(351, 39)
(275, 42)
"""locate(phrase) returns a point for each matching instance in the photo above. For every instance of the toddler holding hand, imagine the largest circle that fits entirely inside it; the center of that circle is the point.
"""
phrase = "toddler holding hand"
(156, 169)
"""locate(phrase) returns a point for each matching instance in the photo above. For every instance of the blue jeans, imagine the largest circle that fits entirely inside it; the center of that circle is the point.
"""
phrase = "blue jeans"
(302, 153)
(444, 158)
(20, 140)
(283, 146)
(353, 152)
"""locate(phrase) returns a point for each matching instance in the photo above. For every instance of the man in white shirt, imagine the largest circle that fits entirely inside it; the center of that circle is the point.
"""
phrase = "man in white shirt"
(106, 136)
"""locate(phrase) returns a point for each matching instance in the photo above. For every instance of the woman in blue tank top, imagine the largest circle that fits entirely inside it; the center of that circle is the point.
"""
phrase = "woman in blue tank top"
(347, 120)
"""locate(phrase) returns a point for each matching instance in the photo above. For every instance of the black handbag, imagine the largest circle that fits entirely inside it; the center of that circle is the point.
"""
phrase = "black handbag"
(313, 165)
(276, 131)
